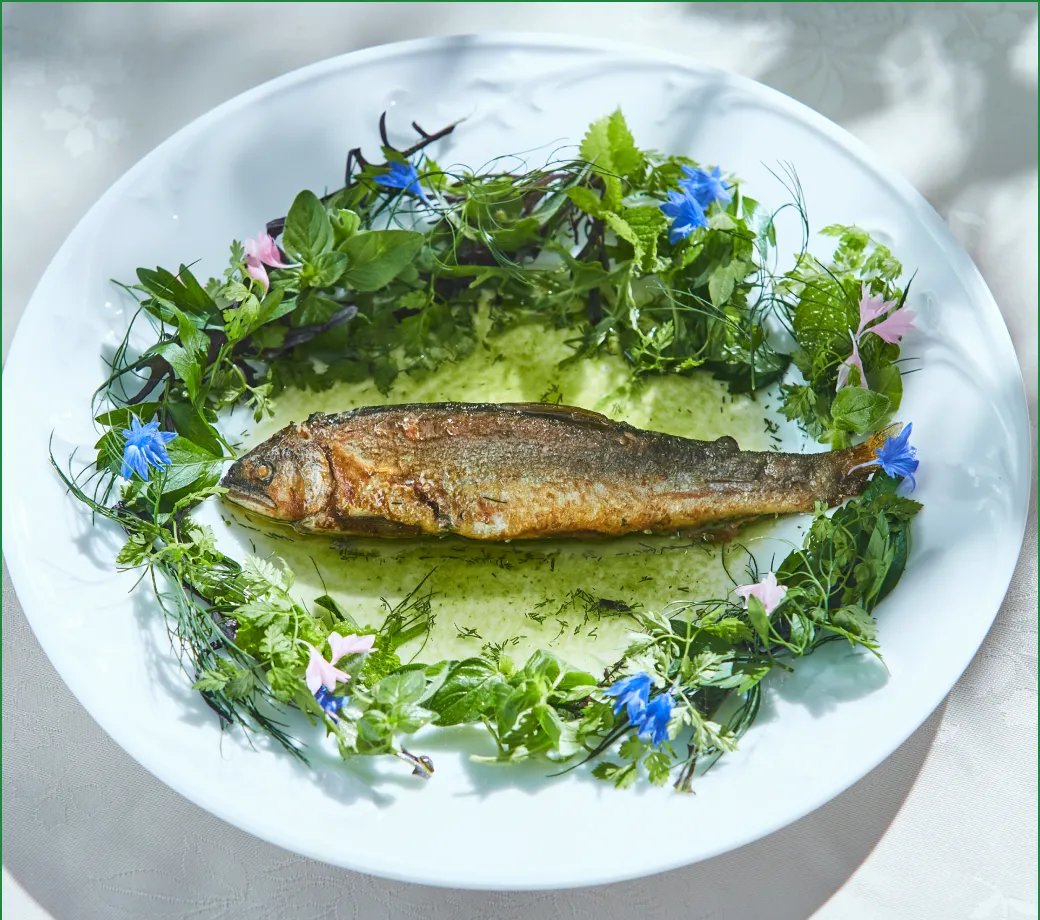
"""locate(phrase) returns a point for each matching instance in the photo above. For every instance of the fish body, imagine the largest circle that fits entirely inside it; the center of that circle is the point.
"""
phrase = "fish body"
(522, 471)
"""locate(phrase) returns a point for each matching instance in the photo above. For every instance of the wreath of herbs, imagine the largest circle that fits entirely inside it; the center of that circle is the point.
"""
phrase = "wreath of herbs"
(637, 254)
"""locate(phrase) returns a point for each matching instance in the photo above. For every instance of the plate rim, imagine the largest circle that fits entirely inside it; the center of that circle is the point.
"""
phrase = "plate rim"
(865, 157)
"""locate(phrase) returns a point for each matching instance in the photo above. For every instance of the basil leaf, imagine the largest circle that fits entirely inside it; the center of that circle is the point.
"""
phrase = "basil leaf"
(313, 308)
(379, 256)
(308, 232)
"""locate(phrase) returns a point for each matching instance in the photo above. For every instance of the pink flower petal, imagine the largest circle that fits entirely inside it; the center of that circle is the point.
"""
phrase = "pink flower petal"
(766, 590)
(349, 645)
(263, 249)
(852, 361)
(320, 671)
(257, 271)
(313, 676)
(895, 326)
(871, 307)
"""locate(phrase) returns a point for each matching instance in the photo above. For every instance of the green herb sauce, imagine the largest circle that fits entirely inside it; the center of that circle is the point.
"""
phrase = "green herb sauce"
(566, 596)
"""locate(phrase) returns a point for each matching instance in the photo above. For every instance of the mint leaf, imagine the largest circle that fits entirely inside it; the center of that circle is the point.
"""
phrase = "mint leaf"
(379, 256)
(308, 232)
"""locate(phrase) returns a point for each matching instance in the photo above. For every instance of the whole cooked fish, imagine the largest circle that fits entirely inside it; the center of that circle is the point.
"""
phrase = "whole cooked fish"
(524, 470)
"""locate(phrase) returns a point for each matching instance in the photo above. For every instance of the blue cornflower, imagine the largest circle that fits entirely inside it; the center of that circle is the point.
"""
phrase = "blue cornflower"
(145, 446)
(632, 695)
(705, 186)
(686, 213)
(653, 726)
(402, 176)
(331, 704)
(898, 458)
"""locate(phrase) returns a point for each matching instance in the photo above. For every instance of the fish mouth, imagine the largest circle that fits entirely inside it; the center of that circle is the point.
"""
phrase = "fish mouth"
(244, 493)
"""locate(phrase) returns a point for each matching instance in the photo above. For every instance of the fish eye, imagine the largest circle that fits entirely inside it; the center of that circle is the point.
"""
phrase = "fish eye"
(263, 471)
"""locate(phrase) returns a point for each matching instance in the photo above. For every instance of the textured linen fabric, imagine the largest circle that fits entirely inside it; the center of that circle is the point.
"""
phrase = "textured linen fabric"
(944, 829)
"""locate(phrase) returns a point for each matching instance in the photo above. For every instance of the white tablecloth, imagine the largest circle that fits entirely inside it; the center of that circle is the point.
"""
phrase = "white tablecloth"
(945, 93)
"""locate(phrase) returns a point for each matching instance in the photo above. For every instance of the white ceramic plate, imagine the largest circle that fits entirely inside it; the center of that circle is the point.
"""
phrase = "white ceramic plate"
(822, 729)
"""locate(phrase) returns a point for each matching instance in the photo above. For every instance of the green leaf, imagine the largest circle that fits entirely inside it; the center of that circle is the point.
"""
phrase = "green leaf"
(189, 464)
(186, 366)
(379, 256)
(401, 688)
(520, 700)
(586, 199)
(211, 680)
(308, 232)
(409, 718)
(188, 422)
(759, 618)
(550, 722)
(544, 665)
(468, 692)
(120, 418)
(723, 280)
(345, 223)
(730, 629)
(609, 144)
(647, 224)
(854, 619)
(325, 270)
(859, 411)
(313, 308)
(251, 314)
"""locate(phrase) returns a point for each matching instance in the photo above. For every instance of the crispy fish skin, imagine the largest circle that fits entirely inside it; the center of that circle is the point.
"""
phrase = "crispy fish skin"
(521, 471)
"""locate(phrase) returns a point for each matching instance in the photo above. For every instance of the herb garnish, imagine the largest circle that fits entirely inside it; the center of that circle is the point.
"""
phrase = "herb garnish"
(647, 256)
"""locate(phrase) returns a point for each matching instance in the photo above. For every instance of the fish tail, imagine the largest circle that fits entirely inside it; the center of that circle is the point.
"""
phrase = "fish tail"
(856, 458)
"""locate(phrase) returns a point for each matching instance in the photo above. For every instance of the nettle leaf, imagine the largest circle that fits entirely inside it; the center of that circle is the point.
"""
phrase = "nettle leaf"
(859, 411)
(647, 224)
(308, 232)
(379, 256)
(609, 144)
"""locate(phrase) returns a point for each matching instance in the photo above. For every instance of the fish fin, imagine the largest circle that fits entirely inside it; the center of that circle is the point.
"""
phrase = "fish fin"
(570, 413)
(867, 451)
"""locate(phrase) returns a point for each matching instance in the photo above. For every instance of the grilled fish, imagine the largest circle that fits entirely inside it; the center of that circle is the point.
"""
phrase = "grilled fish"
(521, 471)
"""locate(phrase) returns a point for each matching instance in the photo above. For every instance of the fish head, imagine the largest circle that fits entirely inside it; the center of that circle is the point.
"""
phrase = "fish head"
(286, 478)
